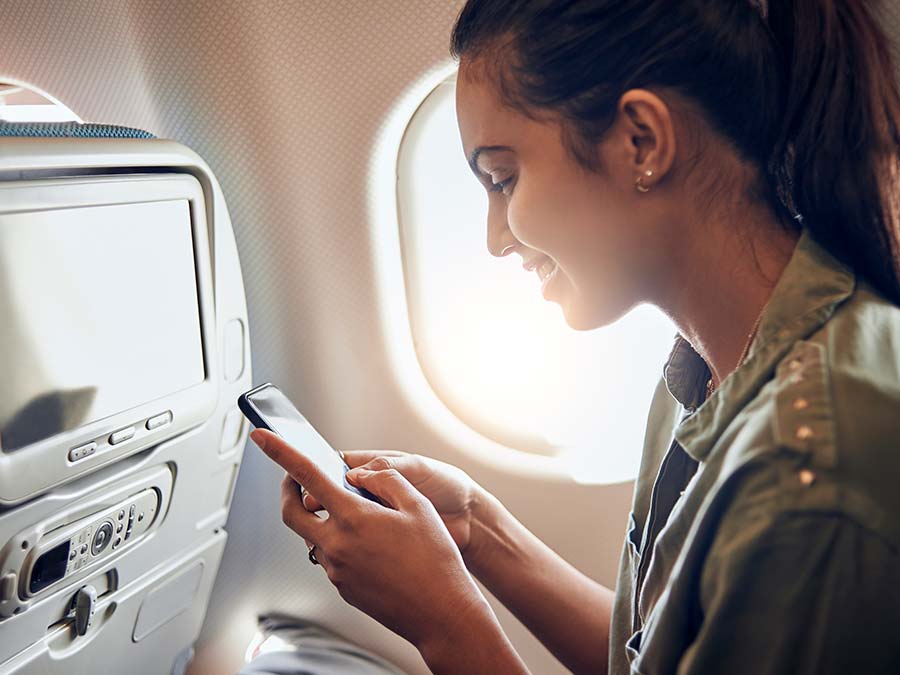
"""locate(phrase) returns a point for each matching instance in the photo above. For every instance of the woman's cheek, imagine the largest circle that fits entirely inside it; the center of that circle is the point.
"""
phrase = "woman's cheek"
(532, 216)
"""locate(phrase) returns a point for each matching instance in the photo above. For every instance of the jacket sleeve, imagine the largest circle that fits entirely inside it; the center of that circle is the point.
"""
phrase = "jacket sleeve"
(797, 592)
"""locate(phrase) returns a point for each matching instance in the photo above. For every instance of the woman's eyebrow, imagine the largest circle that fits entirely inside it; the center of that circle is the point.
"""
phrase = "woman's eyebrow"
(473, 158)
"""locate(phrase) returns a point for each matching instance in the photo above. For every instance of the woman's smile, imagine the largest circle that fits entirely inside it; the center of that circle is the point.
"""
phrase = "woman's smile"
(547, 273)
(545, 267)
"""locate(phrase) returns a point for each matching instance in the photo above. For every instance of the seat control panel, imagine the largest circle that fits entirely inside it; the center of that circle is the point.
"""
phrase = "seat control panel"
(74, 548)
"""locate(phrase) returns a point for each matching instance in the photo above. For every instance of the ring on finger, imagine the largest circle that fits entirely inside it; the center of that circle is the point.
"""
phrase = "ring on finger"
(312, 555)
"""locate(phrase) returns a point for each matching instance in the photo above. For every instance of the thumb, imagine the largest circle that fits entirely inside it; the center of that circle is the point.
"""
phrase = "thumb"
(389, 486)
(412, 467)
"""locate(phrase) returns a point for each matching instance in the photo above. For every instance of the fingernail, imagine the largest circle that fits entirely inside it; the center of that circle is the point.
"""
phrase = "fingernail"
(258, 437)
(305, 503)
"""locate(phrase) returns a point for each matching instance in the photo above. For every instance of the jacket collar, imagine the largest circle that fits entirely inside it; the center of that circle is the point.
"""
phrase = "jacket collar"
(811, 287)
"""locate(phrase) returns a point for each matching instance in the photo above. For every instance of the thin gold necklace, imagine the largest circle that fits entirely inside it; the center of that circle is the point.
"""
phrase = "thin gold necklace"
(710, 386)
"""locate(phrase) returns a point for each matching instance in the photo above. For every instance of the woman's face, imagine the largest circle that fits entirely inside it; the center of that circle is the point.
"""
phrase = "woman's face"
(584, 234)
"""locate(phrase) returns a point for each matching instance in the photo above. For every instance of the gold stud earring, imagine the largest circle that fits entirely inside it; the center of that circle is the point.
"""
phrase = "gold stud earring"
(639, 183)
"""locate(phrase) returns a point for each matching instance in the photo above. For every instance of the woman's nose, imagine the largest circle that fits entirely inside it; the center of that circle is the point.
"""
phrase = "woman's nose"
(500, 241)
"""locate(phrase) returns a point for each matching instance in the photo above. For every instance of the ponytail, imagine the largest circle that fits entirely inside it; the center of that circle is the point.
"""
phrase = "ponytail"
(836, 161)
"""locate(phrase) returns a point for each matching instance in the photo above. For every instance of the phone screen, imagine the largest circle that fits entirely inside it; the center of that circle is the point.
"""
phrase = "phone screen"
(285, 420)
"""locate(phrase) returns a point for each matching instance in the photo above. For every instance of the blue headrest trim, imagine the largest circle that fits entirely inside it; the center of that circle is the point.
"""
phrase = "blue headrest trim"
(68, 130)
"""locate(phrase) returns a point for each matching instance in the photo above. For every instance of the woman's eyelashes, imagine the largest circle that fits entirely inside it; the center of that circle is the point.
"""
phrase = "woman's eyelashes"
(504, 186)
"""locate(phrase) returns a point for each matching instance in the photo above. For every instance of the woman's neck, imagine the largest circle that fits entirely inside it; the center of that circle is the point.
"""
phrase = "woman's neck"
(721, 294)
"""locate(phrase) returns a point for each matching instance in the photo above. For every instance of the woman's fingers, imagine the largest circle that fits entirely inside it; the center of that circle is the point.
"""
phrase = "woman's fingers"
(390, 486)
(310, 502)
(360, 457)
(412, 467)
(295, 516)
(330, 495)
(375, 460)
(352, 458)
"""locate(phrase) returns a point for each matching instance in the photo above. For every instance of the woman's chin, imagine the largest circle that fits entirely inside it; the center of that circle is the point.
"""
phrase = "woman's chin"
(584, 312)
(578, 321)
(582, 316)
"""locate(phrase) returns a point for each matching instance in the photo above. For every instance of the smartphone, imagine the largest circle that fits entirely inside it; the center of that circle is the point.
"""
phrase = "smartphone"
(268, 408)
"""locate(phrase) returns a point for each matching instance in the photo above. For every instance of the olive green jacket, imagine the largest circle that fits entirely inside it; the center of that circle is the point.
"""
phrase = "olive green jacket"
(765, 528)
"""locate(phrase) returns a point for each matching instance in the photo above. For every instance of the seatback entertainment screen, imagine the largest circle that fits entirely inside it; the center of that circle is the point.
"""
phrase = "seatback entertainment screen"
(98, 313)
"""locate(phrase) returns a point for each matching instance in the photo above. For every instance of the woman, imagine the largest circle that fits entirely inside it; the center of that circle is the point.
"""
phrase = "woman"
(736, 164)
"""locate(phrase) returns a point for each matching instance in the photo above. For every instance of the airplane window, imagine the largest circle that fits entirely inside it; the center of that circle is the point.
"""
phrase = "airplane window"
(497, 354)
(24, 103)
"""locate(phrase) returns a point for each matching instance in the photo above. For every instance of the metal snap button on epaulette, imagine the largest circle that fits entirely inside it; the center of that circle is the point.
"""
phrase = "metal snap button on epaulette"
(806, 476)
(800, 403)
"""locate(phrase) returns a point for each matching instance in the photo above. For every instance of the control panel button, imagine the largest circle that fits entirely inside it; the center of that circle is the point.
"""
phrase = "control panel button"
(121, 436)
(159, 420)
(7, 586)
(101, 538)
(82, 451)
(130, 523)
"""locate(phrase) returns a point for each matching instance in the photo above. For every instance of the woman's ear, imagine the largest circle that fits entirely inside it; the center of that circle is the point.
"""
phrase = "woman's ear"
(646, 123)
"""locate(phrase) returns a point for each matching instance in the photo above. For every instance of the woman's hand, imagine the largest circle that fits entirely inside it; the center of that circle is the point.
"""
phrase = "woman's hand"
(455, 496)
(397, 562)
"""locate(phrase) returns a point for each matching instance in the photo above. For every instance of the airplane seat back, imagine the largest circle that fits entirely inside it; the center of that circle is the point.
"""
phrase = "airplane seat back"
(123, 348)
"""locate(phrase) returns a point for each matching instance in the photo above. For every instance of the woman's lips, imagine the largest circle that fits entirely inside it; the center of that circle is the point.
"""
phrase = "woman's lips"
(545, 267)
(529, 265)
(547, 270)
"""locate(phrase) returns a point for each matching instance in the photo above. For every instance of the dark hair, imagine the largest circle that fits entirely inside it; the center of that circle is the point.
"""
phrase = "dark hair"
(807, 93)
